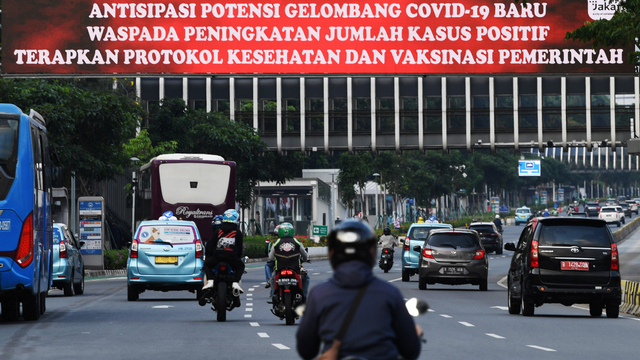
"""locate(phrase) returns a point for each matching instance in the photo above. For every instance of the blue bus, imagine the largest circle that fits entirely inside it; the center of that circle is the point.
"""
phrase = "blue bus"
(26, 243)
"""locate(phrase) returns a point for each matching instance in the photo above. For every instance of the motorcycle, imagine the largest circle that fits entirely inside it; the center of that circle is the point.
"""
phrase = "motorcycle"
(386, 259)
(223, 296)
(287, 294)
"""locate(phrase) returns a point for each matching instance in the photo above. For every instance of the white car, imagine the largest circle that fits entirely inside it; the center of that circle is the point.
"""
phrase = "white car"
(622, 215)
(610, 214)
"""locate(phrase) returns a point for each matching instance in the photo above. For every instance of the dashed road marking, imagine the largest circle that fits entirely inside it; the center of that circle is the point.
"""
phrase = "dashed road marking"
(254, 324)
(540, 348)
(466, 323)
(495, 336)
(446, 316)
(247, 315)
(280, 346)
(263, 335)
(505, 308)
(249, 304)
(315, 274)
(431, 310)
(255, 286)
(398, 279)
(251, 289)
(162, 306)
(248, 309)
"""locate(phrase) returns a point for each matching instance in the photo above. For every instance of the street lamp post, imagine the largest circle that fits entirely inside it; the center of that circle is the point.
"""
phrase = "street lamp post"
(134, 182)
(331, 202)
(378, 207)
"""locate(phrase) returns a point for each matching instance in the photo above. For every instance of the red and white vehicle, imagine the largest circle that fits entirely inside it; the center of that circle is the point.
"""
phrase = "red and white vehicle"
(610, 214)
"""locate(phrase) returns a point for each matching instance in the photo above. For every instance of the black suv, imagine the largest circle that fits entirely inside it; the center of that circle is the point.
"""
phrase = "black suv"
(592, 208)
(567, 261)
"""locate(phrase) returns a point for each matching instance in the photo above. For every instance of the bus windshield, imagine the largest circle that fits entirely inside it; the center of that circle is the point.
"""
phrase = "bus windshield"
(8, 146)
(194, 182)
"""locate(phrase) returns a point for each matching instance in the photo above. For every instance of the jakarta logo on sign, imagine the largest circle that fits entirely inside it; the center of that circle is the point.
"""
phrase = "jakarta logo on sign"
(529, 168)
(321, 37)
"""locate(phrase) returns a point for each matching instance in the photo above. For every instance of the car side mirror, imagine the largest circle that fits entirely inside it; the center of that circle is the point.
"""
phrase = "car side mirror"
(417, 248)
(82, 243)
(510, 246)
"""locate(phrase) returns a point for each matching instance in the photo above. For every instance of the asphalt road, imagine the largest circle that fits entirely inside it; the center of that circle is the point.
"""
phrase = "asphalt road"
(463, 323)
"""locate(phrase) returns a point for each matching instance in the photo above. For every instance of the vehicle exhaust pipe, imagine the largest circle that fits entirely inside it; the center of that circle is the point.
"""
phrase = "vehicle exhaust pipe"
(235, 292)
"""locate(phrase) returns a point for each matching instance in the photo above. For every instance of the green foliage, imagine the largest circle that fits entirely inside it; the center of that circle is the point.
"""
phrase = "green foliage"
(620, 30)
(87, 128)
(115, 259)
(142, 148)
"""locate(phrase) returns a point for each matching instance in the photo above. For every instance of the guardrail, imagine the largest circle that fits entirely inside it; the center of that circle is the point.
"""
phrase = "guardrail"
(630, 297)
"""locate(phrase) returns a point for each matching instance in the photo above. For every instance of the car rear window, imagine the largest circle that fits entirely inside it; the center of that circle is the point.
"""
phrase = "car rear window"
(608, 210)
(482, 228)
(591, 204)
(421, 232)
(453, 240)
(57, 235)
(523, 211)
(582, 235)
(174, 234)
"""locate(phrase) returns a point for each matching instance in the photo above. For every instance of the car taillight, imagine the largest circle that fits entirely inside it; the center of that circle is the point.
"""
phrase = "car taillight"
(598, 207)
(407, 242)
(198, 249)
(533, 261)
(615, 264)
(24, 255)
(63, 250)
(479, 255)
(427, 253)
(134, 249)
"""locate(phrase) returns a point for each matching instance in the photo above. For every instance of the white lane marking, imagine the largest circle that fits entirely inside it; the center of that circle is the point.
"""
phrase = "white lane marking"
(395, 280)
(466, 324)
(431, 310)
(247, 315)
(255, 286)
(315, 274)
(162, 306)
(495, 336)
(263, 283)
(446, 316)
(540, 348)
(251, 289)
(263, 335)
(504, 256)
(248, 309)
(249, 304)
(505, 308)
(280, 346)
(502, 282)
(254, 324)
(329, 272)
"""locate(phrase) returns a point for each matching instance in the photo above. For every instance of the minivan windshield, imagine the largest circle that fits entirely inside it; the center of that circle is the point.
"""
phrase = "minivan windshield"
(421, 232)
(582, 235)
(172, 234)
(455, 241)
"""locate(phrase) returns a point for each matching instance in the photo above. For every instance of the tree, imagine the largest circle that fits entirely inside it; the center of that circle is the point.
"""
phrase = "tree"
(621, 30)
(355, 170)
(87, 128)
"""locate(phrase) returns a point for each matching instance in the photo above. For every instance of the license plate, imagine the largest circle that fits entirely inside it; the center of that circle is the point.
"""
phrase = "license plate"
(166, 259)
(574, 265)
(453, 270)
(287, 281)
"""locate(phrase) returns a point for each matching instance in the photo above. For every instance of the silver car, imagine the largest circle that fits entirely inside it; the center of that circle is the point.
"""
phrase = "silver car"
(453, 257)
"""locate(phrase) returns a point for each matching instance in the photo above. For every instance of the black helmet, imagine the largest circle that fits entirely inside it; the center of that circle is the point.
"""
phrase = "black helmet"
(352, 240)
(386, 231)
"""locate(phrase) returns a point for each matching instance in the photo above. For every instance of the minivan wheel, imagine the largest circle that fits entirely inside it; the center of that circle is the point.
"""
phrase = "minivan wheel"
(514, 303)
(613, 309)
(618, 224)
(68, 288)
(499, 250)
(483, 285)
(595, 309)
(132, 293)
(79, 287)
(422, 283)
(405, 275)
(527, 306)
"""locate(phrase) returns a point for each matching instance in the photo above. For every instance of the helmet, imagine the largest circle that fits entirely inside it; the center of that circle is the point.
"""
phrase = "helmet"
(386, 231)
(231, 216)
(497, 216)
(217, 221)
(420, 220)
(352, 240)
(285, 230)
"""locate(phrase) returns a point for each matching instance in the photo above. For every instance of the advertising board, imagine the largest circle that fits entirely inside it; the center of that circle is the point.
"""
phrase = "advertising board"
(366, 37)
(529, 168)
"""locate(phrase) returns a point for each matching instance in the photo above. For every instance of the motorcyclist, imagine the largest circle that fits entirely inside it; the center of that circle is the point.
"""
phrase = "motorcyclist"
(268, 267)
(226, 246)
(381, 327)
(545, 213)
(287, 252)
(387, 240)
(498, 222)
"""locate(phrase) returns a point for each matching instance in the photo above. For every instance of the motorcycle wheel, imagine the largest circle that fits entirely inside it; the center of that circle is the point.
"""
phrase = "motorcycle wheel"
(221, 302)
(288, 309)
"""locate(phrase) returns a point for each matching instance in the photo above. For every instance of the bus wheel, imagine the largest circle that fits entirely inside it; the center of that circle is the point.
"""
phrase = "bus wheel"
(31, 306)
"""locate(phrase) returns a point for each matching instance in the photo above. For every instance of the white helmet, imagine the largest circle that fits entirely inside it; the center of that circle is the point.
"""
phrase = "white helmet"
(497, 216)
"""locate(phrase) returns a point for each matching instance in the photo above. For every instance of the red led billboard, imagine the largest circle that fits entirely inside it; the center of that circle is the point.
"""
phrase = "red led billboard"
(360, 37)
